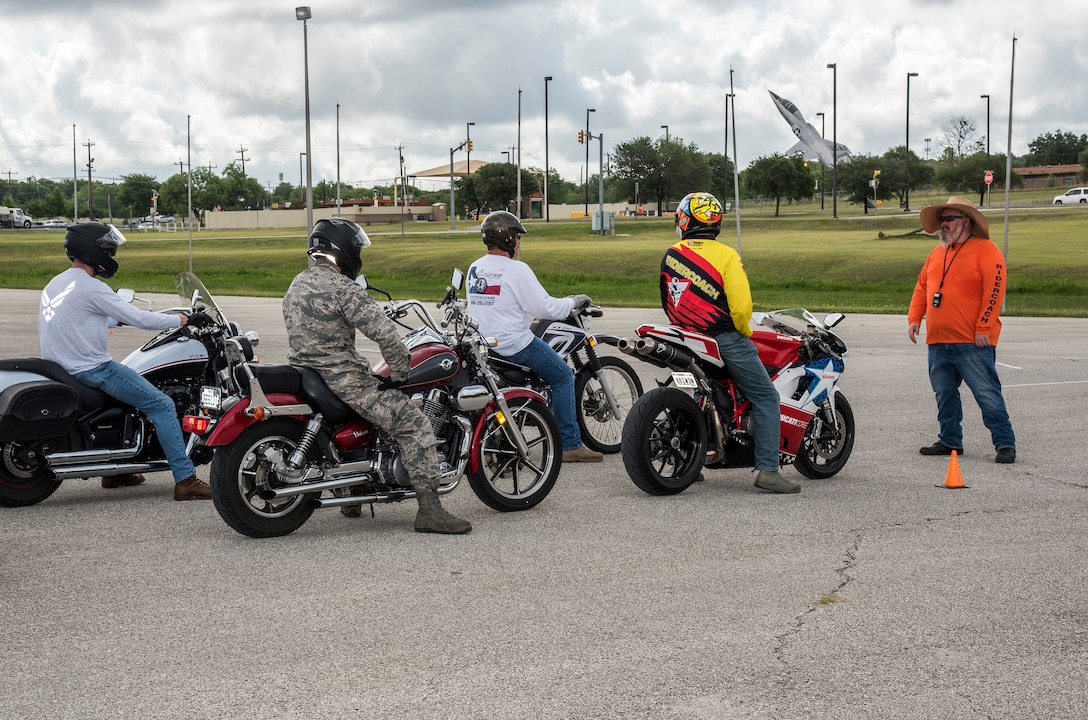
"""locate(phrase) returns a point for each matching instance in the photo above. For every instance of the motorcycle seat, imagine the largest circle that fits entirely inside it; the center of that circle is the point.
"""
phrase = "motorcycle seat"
(89, 397)
(328, 403)
(512, 372)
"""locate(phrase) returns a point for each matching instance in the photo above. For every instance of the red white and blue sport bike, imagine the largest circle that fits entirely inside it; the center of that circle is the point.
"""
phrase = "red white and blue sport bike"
(699, 417)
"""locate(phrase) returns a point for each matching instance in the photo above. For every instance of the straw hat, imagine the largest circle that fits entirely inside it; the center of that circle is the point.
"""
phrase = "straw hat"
(931, 216)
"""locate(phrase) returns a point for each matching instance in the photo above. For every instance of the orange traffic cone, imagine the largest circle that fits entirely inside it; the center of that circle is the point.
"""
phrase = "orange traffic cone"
(953, 479)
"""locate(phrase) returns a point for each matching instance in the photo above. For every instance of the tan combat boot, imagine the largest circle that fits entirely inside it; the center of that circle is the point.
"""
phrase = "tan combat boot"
(433, 518)
(771, 481)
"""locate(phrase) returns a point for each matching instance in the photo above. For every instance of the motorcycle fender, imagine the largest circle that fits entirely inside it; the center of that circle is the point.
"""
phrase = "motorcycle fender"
(481, 419)
(612, 340)
(231, 425)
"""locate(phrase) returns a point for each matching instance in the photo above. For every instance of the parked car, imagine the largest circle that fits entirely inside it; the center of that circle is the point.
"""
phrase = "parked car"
(54, 223)
(1070, 197)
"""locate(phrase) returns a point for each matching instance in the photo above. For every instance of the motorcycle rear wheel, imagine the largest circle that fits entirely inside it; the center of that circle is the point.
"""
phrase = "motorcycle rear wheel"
(664, 441)
(25, 478)
(600, 429)
(824, 452)
(504, 481)
(238, 476)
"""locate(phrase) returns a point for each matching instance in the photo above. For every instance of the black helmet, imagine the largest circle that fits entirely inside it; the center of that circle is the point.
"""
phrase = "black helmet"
(500, 230)
(699, 213)
(94, 244)
(340, 241)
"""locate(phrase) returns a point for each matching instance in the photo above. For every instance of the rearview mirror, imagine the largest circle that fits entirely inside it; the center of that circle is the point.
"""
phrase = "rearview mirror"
(458, 278)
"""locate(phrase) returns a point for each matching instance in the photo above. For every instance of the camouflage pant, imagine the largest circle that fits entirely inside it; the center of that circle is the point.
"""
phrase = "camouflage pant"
(393, 412)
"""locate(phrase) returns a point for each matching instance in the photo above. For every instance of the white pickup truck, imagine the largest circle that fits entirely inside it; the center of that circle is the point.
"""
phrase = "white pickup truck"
(14, 217)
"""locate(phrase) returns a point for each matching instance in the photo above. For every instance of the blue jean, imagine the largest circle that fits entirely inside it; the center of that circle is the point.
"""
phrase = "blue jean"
(128, 386)
(742, 362)
(953, 363)
(546, 363)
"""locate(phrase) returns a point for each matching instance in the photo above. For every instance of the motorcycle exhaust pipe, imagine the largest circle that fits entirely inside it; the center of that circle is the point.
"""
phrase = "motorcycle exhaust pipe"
(346, 475)
(69, 472)
(664, 354)
(627, 346)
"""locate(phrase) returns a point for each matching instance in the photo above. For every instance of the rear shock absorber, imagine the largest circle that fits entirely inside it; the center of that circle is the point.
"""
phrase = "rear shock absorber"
(297, 461)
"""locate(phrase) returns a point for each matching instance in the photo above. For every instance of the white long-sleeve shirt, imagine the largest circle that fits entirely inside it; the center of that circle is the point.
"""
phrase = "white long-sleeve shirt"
(76, 314)
(502, 296)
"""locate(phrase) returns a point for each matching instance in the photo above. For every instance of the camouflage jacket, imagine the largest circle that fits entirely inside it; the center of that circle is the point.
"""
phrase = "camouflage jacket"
(322, 310)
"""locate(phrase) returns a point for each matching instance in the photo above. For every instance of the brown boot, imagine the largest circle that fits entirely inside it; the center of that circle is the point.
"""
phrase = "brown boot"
(582, 454)
(433, 518)
(115, 481)
(192, 489)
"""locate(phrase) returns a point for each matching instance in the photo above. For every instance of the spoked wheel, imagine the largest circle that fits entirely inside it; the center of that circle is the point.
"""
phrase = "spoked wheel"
(504, 481)
(25, 478)
(825, 450)
(601, 430)
(664, 441)
(245, 468)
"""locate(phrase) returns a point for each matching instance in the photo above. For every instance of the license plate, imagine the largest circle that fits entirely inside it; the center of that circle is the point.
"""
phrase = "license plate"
(685, 380)
(211, 397)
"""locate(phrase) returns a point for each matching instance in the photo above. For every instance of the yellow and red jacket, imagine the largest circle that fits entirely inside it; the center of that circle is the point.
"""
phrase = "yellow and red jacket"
(704, 288)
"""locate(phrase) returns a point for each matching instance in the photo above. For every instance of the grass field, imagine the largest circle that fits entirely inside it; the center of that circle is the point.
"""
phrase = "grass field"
(854, 263)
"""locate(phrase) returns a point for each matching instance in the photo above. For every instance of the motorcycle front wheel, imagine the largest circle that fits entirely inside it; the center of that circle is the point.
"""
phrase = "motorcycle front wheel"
(664, 441)
(241, 470)
(825, 450)
(504, 481)
(25, 478)
(601, 430)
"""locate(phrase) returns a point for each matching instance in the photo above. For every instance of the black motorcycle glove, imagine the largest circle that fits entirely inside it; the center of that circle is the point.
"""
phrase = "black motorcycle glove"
(200, 320)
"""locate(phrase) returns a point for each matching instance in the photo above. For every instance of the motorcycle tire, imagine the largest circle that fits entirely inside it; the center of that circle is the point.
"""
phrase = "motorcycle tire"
(664, 441)
(25, 478)
(504, 481)
(823, 451)
(600, 429)
(237, 478)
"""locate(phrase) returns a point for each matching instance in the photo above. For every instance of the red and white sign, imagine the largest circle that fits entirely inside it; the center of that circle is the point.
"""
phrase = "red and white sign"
(989, 177)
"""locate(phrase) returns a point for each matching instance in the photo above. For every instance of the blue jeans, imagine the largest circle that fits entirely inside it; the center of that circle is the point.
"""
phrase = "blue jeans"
(953, 363)
(128, 386)
(546, 363)
(742, 362)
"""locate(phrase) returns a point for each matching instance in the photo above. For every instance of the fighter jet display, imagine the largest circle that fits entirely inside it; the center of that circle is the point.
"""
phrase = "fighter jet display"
(810, 144)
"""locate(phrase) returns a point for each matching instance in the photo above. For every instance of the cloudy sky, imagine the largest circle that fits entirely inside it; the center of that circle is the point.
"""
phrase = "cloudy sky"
(127, 75)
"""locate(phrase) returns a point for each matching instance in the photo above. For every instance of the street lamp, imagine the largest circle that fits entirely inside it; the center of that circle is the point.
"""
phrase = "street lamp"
(666, 127)
(906, 152)
(586, 185)
(547, 215)
(823, 129)
(987, 97)
(834, 139)
(303, 13)
(468, 148)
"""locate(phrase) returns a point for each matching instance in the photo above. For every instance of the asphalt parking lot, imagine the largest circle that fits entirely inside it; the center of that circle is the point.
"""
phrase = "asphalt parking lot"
(874, 594)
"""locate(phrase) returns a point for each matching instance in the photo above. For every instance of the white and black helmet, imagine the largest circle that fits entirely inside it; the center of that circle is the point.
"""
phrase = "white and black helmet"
(94, 244)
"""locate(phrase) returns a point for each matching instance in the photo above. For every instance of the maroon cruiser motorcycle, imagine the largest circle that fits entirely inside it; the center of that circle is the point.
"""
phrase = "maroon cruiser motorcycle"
(285, 445)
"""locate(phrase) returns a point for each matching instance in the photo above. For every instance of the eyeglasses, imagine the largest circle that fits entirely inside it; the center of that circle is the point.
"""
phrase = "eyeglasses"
(951, 218)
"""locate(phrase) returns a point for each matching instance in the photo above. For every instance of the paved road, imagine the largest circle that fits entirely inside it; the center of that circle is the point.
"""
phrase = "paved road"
(874, 594)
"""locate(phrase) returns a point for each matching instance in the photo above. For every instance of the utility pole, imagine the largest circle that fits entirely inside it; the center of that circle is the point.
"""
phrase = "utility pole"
(242, 151)
(90, 185)
(10, 190)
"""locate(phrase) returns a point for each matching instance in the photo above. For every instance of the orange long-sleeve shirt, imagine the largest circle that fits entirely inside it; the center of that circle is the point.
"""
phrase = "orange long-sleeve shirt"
(971, 279)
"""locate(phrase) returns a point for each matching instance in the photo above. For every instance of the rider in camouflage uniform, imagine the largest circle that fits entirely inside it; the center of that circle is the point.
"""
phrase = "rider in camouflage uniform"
(322, 310)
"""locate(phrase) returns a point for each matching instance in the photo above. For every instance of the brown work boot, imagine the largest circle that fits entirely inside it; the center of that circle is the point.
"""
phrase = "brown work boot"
(433, 518)
(582, 454)
(192, 489)
(115, 481)
(771, 481)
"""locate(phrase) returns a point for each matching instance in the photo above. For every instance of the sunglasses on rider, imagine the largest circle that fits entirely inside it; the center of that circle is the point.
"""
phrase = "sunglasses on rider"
(951, 218)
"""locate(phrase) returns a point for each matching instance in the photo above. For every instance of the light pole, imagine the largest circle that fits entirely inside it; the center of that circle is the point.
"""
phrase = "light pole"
(906, 150)
(823, 128)
(987, 98)
(666, 128)
(586, 181)
(927, 147)
(468, 148)
(547, 215)
(834, 139)
(303, 13)
(338, 159)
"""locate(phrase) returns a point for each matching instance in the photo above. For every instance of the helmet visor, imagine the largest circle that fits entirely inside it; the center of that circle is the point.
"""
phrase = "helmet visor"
(108, 243)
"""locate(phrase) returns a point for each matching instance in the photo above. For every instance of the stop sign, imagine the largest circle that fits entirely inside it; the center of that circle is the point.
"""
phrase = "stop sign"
(989, 177)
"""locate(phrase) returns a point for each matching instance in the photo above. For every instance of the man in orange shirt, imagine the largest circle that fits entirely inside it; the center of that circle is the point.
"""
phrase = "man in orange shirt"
(959, 294)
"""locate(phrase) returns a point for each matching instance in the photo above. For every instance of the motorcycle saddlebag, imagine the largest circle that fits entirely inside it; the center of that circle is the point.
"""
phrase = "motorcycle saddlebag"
(32, 408)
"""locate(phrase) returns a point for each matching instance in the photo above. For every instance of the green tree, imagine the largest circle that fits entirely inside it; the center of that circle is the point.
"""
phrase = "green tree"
(239, 191)
(1057, 148)
(968, 176)
(662, 168)
(780, 177)
(134, 194)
